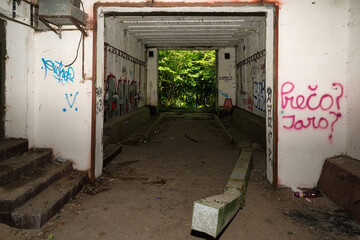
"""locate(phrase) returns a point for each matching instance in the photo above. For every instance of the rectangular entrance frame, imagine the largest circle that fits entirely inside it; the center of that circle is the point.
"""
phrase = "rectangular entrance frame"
(271, 11)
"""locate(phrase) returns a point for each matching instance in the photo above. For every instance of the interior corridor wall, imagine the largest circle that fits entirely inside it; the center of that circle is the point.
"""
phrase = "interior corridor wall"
(152, 77)
(312, 83)
(353, 111)
(251, 82)
(226, 71)
(128, 74)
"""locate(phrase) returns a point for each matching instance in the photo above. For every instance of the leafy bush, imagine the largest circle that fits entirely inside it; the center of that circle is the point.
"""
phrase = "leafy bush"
(187, 79)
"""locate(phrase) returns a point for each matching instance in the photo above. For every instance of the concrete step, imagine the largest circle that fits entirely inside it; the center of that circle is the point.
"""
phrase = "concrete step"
(12, 168)
(37, 211)
(16, 193)
(11, 146)
(111, 151)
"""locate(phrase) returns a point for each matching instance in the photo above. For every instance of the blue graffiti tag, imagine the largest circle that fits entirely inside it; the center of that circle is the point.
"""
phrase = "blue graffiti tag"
(259, 95)
(224, 93)
(71, 104)
(60, 72)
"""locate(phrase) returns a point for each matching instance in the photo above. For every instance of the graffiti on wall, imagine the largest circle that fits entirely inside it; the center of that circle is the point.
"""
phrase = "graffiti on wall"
(224, 94)
(328, 104)
(253, 75)
(259, 95)
(99, 102)
(63, 75)
(120, 96)
(60, 72)
(225, 78)
(70, 98)
(269, 126)
(248, 102)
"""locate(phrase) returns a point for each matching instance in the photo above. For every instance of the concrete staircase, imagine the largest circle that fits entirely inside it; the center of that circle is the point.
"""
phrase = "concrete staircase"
(33, 188)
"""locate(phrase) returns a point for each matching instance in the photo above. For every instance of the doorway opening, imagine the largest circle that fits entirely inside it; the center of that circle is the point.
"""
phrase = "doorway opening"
(187, 80)
(230, 30)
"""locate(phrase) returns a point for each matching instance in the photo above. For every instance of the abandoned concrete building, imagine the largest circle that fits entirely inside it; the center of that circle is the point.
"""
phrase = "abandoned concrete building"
(78, 76)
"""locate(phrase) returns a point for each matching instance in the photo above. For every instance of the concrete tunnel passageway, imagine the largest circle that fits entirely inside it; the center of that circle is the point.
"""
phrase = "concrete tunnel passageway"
(243, 38)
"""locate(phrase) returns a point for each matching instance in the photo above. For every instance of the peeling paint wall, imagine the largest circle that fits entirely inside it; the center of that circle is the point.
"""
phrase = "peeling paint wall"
(353, 111)
(313, 37)
(226, 75)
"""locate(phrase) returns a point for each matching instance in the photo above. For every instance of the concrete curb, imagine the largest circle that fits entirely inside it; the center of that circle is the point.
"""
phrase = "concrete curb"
(153, 127)
(224, 132)
(212, 214)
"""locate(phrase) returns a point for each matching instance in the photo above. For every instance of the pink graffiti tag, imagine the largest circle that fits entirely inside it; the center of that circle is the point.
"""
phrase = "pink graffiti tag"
(302, 102)
(312, 102)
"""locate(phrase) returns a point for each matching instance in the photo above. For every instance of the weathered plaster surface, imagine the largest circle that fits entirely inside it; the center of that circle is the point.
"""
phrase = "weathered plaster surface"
(353, 111)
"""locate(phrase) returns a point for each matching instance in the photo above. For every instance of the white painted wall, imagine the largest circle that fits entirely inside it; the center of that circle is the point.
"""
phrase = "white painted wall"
(226, 76)
(152, 78)
(19, 68)
(353, 111)
(313, 37)
(62, 103)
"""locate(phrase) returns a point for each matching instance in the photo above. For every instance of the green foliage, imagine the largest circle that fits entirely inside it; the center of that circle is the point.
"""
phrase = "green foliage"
(187, 79)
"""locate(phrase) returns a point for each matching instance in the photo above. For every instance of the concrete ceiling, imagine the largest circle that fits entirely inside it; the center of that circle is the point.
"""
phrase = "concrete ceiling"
(179, 31)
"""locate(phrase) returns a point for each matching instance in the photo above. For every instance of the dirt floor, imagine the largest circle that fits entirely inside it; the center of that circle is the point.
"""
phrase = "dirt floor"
(147, 192)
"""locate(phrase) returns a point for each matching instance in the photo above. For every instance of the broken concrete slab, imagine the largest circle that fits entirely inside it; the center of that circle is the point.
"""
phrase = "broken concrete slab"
(211, 215)
(340, 181)
(239, 178)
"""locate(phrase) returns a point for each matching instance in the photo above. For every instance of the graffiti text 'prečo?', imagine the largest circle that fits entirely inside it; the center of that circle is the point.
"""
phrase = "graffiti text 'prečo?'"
(326, 103)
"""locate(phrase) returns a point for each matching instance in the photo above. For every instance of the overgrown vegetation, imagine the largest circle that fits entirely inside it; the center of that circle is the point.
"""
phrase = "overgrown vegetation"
(187, 79)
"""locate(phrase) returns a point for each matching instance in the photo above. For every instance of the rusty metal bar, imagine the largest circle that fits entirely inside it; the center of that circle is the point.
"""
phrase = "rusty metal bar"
(252, 58)
(77, 25)
(114, 50)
